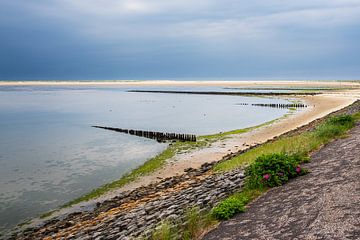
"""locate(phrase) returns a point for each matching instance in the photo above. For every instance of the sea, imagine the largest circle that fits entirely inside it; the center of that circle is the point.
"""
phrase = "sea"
(51, 154)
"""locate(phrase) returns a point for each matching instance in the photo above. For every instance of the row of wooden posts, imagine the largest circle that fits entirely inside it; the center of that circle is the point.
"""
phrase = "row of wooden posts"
(159, 136)
(277, 105)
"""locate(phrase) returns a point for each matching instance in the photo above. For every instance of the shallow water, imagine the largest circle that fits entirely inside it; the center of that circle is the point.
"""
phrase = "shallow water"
(50, 154)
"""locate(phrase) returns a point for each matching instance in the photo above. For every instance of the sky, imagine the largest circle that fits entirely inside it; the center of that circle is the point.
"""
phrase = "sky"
(179, 39)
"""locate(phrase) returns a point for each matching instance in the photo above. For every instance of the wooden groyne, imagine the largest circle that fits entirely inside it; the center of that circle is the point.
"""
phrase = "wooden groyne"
(159, 136)
(276, 105)
(227, 93)
(280, 105)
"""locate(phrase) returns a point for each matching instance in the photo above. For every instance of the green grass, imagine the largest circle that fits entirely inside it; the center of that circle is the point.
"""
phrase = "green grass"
(190, 227)
(299, 144)
(164, 232)
(195, 223)
(235, 203)
(45, 215)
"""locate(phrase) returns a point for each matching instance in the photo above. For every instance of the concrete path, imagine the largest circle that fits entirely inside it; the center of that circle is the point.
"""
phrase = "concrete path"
(324, 204)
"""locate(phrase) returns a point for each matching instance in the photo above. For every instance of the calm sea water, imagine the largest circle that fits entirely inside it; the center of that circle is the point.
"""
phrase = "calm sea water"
(50, 154)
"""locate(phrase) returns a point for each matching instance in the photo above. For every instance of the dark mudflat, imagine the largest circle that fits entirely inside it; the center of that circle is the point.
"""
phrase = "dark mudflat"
(324, 204)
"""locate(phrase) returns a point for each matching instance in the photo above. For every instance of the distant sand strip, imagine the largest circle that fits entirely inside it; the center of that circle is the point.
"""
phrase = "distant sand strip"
(245, 83)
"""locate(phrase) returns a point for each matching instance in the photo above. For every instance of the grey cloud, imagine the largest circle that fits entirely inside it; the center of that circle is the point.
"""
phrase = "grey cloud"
(151, 38)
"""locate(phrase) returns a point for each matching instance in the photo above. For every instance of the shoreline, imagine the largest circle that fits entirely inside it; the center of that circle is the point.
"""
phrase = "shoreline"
(139, 212)
(325, 103)
(176, 165)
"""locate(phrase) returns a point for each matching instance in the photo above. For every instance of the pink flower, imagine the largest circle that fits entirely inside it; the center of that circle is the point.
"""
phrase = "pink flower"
(266, 176)
(298, 169)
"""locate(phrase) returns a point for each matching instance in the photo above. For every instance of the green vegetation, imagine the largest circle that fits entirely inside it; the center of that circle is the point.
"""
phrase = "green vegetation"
(335, 126)
(25, 222)
(164, 232)
(301, 144)
(274, 170)
(235, 203)
(191, 227)
(267, 171)
(47, 214)
(274, 163)
(229, 207)
(195, 223)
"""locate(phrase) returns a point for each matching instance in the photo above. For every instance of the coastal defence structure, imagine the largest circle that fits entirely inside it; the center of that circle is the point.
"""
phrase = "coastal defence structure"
(276, 105)
(159, 136)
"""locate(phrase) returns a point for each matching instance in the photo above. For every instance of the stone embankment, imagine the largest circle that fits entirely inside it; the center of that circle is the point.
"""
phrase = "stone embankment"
(136, 213)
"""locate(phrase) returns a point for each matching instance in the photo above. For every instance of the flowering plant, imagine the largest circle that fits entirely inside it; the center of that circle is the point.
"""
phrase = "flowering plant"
(274, 169)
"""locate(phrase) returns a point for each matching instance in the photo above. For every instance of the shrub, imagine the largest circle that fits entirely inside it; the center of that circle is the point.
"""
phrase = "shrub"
(335, 126)
(273, 170)
(344, 120)
(228, 208)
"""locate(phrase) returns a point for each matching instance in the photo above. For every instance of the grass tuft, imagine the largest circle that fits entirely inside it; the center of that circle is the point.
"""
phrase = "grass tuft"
(189, 227)
(195, 223)
(163, 232)
(235, 203)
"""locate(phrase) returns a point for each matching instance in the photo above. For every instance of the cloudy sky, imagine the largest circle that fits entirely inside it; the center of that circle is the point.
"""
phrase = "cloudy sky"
(179, 39)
